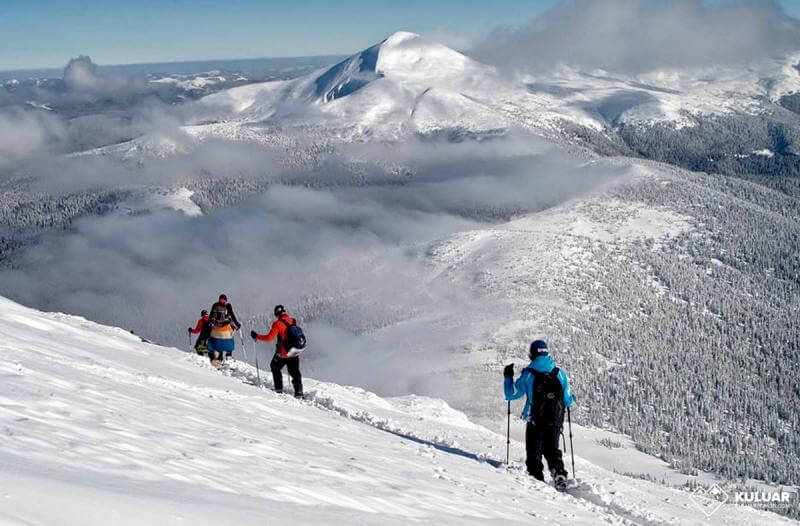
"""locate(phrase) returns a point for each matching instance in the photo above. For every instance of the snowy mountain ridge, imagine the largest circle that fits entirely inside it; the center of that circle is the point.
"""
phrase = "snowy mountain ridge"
(113, 429)
(408, 85)
(403, 84)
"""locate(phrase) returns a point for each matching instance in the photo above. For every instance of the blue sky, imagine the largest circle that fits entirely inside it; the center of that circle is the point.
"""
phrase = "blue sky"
(40, 33)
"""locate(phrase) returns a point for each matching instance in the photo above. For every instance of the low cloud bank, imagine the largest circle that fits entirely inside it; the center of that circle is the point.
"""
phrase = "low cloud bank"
(636, 36)
(344, 248)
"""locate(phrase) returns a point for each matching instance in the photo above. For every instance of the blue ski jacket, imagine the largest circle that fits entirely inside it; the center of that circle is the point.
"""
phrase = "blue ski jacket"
(524, 384)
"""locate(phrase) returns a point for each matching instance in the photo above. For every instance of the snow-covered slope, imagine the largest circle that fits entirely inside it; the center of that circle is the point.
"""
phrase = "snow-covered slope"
(102, 428)
(153, 200)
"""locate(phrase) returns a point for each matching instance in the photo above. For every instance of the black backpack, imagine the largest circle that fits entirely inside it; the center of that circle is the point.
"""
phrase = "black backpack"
(219, 316)
(295, 339)
(547, 400)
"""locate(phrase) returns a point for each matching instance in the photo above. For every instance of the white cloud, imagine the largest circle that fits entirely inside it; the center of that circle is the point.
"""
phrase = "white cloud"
(641, 35)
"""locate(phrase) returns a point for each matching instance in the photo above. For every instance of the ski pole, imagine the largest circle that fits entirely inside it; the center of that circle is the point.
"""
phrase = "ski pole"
(258, 372)
(571, 447)
(244, 348)
(508, 433)
(190, 342)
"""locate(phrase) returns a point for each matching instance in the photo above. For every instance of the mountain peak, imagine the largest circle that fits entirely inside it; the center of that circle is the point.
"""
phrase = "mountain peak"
(403, 55)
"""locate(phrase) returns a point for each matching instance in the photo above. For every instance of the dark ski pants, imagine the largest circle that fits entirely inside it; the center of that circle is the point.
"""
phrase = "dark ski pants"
(293, 365)
(543, 440)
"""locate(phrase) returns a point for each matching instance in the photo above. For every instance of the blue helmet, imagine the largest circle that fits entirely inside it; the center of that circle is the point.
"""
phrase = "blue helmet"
(538, 348)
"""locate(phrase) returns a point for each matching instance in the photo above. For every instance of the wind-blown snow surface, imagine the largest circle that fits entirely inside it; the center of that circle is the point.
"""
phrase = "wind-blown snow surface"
(102, 428)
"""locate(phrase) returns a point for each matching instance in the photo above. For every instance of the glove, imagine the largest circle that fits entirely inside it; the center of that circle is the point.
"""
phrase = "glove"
(508, 371)
(190, 329)
(253, 334)
(238, 325)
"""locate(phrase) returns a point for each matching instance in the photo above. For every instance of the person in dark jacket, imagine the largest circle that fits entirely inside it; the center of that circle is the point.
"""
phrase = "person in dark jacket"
(548, 394)
(284, 356)
(203, 328)
(224, 324)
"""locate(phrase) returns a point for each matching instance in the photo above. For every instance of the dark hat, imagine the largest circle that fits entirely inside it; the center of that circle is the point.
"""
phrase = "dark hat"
(279, 309)
(538, 348)
(223, 297)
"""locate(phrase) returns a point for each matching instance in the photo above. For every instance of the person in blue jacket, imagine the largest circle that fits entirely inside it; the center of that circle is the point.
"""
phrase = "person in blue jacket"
(548, 394)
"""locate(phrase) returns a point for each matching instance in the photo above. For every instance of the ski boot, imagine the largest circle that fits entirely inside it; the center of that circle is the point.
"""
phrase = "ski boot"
(559, 481)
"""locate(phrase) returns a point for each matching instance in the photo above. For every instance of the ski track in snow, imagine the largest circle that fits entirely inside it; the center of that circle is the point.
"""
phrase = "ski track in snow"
(101, 428)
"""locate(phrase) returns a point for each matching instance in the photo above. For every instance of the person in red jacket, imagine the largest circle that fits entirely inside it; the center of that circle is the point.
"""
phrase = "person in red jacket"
(283, 355)
(203, 328)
